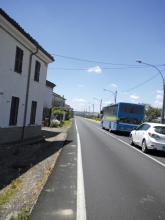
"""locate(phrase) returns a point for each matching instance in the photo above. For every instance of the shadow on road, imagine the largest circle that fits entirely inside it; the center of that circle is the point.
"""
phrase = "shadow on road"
(17, 159)
(155, 153)
(122, 133)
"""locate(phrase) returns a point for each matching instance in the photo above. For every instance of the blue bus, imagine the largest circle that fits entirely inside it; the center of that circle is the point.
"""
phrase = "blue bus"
(122, 116)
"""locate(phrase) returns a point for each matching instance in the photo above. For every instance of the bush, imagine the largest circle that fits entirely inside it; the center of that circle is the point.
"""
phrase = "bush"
(55, 123)
(58, 113)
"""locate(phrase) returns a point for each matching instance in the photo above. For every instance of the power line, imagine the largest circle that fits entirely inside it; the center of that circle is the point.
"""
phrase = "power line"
(92, 61)
(86, 69)
(142, 83)
(97, 61)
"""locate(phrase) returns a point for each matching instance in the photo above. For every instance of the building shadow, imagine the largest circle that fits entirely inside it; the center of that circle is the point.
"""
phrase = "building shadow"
(48, 134)
(17, 159)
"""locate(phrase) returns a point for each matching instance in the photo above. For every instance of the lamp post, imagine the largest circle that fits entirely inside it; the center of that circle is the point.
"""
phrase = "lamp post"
(114, 93)
(155, 67)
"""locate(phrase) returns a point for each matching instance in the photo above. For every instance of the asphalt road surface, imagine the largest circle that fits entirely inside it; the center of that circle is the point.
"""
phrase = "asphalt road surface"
(120, 181)
(99, 176)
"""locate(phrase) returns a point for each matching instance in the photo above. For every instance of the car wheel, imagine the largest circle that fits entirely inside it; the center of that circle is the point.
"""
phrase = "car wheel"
(144, 147)
(131, 140)
(102, 126)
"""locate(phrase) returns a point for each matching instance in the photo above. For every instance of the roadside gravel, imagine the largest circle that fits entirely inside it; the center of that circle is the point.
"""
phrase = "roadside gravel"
(31, 165)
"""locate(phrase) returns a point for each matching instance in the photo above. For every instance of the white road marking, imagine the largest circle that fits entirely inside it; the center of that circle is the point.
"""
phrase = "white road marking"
(81, 205)
(157, 161)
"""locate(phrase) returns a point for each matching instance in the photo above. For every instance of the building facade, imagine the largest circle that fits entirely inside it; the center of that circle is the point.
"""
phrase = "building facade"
(48, 103)
(23, 71)
(58, 100)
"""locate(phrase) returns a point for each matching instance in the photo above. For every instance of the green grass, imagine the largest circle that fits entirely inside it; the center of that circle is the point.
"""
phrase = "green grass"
(10, 192)
(66, 123)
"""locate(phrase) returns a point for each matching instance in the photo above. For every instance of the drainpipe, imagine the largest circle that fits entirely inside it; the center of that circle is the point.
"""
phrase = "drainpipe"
(27, 93)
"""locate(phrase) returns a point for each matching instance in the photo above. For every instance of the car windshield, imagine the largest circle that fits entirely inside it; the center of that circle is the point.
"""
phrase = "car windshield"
(160, 129)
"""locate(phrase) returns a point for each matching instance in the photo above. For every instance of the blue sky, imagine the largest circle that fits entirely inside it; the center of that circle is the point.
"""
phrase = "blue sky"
(107, 31)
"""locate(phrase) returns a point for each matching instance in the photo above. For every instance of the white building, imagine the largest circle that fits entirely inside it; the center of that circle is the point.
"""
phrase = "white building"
(23, 71)
(48, 102)
(58, 100)
(49, 94)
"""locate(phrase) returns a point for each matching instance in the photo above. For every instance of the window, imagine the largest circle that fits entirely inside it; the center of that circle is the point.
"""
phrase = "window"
(143, 127)
(110, 110)
(130, 120)
(146, 127)
(131, 109)
(18, 60)
(37, 71)
(33, 112)
(160, 129)
(14, 110)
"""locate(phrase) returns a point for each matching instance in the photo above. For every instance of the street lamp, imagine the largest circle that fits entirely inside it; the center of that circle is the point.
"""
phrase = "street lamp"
(114, 93)
(155, 67)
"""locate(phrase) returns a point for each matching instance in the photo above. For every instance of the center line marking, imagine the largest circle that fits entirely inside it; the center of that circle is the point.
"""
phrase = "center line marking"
(157, 161)
(81, 205)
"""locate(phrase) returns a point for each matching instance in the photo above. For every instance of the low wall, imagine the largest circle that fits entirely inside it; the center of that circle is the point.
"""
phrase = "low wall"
(14, 134)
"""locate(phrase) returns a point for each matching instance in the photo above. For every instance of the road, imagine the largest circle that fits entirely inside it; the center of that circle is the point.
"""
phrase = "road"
(120, 182)
(99, 176)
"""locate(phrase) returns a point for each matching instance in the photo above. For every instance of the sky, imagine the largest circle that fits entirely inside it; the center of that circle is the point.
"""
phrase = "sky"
(96, 45)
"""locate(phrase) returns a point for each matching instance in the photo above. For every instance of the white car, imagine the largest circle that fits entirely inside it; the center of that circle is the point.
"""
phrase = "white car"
(149, 136)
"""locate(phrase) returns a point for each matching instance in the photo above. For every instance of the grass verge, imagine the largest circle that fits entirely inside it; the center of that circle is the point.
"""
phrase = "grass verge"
(22, 215)
(10, 191)
(67, 123)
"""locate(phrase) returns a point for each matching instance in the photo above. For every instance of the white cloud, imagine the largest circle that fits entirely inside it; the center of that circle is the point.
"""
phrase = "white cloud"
(134, 98)
(95, 69)
(159, 92)
(158, 99)
(80, 100)
(114, 86)
(78, 104)
(106, 103)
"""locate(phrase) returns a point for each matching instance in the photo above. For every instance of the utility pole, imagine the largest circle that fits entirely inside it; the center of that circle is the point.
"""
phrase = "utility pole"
(93, 109)
(100, 103)
(163, 80)
(114, 93)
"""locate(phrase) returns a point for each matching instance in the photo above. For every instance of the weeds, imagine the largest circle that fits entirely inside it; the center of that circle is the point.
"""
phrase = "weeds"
(10, 191)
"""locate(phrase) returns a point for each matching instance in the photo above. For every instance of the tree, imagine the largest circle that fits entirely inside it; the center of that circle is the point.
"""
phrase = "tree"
(58, 113)
(152, 113)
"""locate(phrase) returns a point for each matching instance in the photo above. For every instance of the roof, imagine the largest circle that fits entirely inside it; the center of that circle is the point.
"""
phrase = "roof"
(124, 103)
(27, 35)
(50, 84)
(57, 95)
